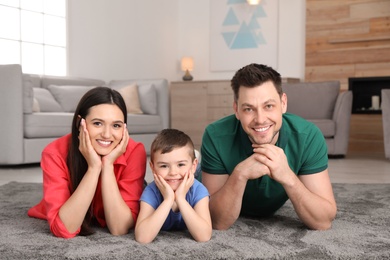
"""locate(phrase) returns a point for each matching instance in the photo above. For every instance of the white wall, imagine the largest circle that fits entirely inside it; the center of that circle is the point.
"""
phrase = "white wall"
(125, 39)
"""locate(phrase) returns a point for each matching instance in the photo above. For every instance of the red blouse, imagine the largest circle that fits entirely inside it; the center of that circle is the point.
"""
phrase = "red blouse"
(129, 170)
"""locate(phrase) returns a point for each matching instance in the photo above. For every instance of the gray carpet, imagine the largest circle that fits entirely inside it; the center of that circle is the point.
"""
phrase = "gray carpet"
(360, 231)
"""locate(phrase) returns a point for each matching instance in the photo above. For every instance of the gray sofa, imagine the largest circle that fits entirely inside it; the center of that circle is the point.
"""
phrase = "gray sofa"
(323, 104)
(386, 120)
(35, 110)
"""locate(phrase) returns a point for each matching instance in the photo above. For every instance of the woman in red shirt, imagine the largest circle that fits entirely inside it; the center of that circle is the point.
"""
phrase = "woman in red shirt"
(96, 173)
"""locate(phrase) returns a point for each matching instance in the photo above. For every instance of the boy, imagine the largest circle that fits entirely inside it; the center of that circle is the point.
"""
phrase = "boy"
(174, 200)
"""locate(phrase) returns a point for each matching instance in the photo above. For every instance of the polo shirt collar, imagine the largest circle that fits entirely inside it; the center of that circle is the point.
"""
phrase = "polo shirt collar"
(283, 135)
(246, 142)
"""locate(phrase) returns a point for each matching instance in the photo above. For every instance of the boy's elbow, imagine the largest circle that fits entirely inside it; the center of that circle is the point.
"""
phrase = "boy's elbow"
(206, 236)
(203, 239)
(143, 239)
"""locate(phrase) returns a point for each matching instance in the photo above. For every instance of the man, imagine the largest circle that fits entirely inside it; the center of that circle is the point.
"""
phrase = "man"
(255, 160)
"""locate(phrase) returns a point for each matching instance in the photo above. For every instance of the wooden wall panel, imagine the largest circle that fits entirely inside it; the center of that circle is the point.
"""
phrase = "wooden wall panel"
(350, 38)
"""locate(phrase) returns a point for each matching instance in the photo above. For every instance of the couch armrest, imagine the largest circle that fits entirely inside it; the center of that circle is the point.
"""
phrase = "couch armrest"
(163, 101)
(11, 114)
(386, 120)
(342, 117)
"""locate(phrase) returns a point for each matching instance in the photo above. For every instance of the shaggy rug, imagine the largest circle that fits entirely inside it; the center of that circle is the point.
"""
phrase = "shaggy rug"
(360, 231)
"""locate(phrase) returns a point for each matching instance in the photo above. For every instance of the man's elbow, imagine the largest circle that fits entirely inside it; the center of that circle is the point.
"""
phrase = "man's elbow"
(325, 224)
(220, 226)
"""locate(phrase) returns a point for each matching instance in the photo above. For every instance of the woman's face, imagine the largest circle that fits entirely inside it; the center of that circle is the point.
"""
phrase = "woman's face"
(105, 124)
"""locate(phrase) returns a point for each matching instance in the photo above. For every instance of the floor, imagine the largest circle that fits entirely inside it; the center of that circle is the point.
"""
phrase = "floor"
(351, 169)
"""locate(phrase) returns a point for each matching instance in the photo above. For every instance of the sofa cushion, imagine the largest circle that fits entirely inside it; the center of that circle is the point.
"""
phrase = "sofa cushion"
(146, 90)
(327, 126)
(46, 101)
(314, 100)
(45, 125)
(46, 81)
(68, 96)
(148, 98)
(131, 98)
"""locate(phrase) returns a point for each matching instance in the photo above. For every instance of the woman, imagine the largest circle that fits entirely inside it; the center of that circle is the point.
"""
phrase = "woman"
(96, 173)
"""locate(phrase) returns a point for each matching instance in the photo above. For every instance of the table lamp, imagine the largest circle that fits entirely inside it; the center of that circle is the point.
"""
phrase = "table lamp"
(187, 65)
(253, 2)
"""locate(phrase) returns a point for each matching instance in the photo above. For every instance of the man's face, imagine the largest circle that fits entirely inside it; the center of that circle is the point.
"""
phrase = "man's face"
(260, 111)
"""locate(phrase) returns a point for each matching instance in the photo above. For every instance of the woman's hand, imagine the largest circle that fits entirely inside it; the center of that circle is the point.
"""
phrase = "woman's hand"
(85, 147)
(119, 149)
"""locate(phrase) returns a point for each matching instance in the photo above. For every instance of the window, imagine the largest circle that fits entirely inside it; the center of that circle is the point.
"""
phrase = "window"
(33, 34)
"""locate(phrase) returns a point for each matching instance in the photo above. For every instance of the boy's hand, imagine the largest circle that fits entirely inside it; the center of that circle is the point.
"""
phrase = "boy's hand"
(164, 188)
(185, 185)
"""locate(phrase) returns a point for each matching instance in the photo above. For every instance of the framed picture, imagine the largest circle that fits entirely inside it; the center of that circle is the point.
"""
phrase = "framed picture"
(241, 34)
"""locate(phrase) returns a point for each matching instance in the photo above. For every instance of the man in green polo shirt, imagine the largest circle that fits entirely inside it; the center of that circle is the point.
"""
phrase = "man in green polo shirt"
(258, 158)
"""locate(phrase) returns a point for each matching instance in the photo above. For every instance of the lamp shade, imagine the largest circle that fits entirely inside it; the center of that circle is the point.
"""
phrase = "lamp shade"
(187, 63)
(253, 2)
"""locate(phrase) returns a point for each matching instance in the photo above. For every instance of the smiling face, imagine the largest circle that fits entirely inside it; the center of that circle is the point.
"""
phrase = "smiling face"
(260, 111)
(105, 124)
(173, 165)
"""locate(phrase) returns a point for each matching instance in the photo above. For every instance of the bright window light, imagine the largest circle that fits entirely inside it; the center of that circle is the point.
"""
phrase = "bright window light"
(32, 58)
(32, 5)
(14, 3)
(55, 30)
(11, 17)
(10, 51)
(32, 27)
(35, 35)
(55, 60)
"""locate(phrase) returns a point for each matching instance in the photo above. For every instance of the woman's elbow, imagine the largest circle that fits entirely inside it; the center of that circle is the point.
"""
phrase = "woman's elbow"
(118, 231)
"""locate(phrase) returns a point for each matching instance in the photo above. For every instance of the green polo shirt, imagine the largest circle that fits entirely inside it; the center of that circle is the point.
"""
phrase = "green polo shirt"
(225, 144)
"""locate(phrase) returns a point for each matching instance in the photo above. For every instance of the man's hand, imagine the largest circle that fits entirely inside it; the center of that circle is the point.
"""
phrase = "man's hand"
(275, 160)
(252, 168)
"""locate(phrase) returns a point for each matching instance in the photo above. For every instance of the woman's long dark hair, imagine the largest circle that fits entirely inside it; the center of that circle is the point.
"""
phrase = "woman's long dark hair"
(76, 162)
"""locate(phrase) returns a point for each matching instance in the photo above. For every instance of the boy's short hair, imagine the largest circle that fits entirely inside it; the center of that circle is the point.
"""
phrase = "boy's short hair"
(169, 139)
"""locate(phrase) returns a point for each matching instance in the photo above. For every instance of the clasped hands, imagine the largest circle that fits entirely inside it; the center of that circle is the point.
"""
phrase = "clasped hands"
(267, 159)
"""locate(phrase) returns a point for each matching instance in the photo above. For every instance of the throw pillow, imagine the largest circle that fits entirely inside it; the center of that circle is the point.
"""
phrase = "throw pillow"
(131, 97)
(35, 107)
(148, 98)
(46, 101)
(68, 96)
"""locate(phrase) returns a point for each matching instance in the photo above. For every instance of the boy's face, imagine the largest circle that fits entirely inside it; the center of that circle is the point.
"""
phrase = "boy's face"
(172, 166)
